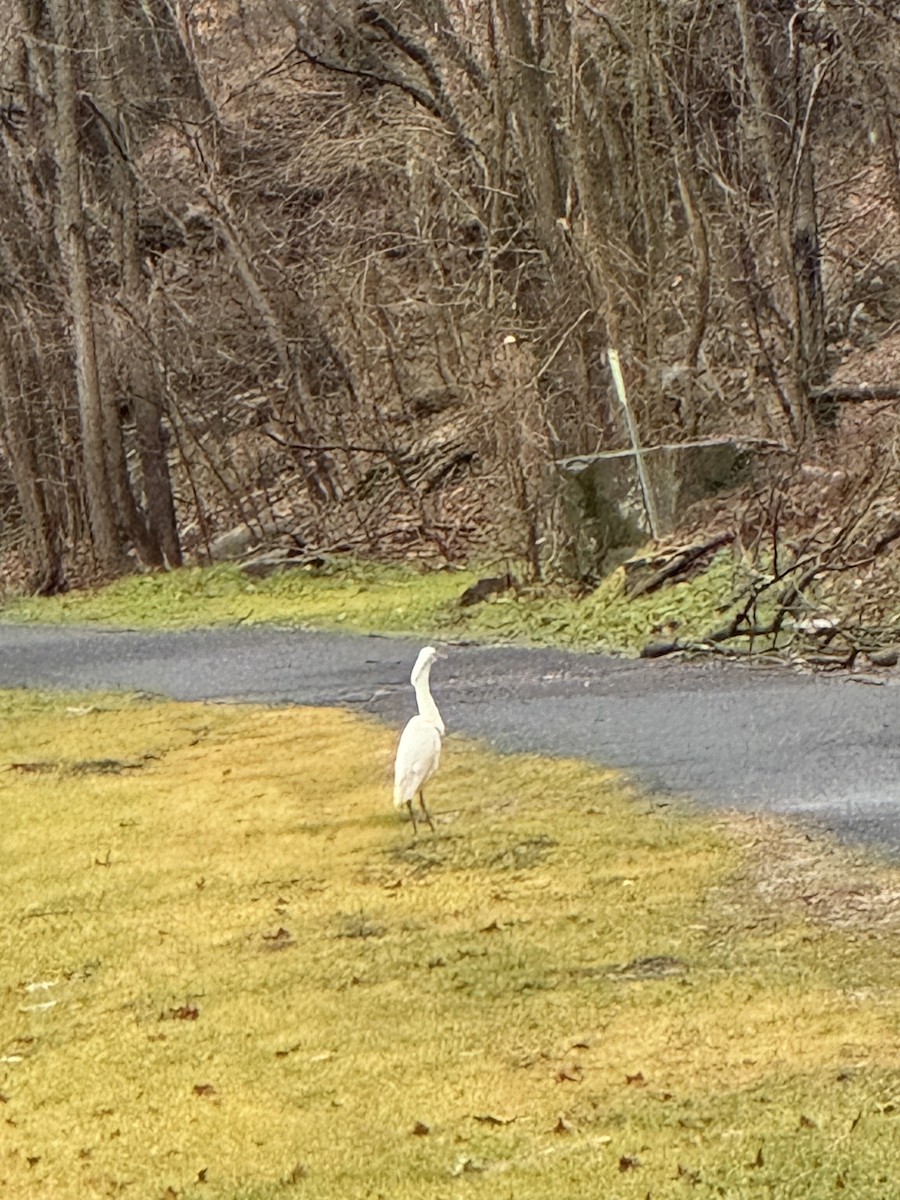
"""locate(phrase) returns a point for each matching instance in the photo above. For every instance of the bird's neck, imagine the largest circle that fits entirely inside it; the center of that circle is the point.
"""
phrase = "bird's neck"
(425, 701)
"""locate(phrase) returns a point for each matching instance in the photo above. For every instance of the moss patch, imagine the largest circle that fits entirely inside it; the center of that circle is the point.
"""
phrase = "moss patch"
(230, 971)
(606, 619)
(356, 596)
(371, 598)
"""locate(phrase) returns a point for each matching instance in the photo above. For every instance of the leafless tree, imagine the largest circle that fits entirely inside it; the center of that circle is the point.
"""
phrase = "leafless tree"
(346, 272)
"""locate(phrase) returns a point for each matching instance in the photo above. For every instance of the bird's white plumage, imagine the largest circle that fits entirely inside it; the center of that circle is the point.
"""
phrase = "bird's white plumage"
(419, 751)
(418, 757)
(420, 678)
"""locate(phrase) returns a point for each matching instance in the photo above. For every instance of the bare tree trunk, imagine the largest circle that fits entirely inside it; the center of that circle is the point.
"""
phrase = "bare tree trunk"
(795, 222)
(153, 446)
(805, 246)
(315, 464)
(154, 529)
(532, 106)
(41, 526)
(70, 234)
(689, 193)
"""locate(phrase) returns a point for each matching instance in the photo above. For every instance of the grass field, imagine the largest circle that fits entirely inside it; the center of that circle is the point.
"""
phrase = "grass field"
(229, 971)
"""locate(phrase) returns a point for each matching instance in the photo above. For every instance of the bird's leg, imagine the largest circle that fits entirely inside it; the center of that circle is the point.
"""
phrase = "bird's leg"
(426, 812)
(412, 817)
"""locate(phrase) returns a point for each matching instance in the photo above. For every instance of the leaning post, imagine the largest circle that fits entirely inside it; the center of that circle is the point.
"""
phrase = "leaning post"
(649, 502)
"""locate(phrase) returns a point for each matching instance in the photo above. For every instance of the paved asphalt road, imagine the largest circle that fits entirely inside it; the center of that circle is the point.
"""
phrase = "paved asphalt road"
(822, 747)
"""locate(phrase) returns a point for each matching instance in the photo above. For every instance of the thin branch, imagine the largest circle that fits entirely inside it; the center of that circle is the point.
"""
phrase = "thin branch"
(345, 449)
(420, 97)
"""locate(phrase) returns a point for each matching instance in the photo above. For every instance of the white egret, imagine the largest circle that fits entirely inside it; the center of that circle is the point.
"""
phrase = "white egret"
(419, 752)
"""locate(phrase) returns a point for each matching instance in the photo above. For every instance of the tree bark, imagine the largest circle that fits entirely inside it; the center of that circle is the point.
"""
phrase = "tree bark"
(73, 249)
(153, 526)
(791, 188)
(533, 108)
(41, 526)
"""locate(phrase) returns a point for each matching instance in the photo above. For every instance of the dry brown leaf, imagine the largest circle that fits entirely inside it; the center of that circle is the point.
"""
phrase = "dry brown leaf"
(572, 1074)
(185, 1012)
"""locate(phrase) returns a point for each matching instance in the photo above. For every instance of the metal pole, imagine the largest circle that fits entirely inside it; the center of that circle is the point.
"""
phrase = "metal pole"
(649, 503)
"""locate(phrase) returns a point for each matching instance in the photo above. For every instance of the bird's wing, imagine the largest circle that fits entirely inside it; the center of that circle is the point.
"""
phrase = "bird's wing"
(418, 757)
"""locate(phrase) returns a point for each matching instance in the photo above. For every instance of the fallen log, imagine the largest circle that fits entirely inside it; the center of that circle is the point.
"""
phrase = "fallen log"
(669, 565)
(855, 393)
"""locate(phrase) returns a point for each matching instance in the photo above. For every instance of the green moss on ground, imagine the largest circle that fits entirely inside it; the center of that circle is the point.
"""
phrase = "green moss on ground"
(355, 596)
(230, 971)
(369, 598)
(606, 619)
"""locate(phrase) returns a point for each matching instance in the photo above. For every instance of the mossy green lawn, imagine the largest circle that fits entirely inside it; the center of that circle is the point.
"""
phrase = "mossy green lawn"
(355, 596)
(368, 598)
(229, 971)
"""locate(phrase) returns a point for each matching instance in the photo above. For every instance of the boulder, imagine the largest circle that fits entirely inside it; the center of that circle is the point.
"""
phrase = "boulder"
(605, 503)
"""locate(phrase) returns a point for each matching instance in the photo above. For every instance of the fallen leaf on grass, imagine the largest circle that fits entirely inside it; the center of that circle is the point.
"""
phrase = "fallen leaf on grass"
(573, 1074)
(279, 939)
(464, 1166)
(185, 1012)
(289, 1050)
